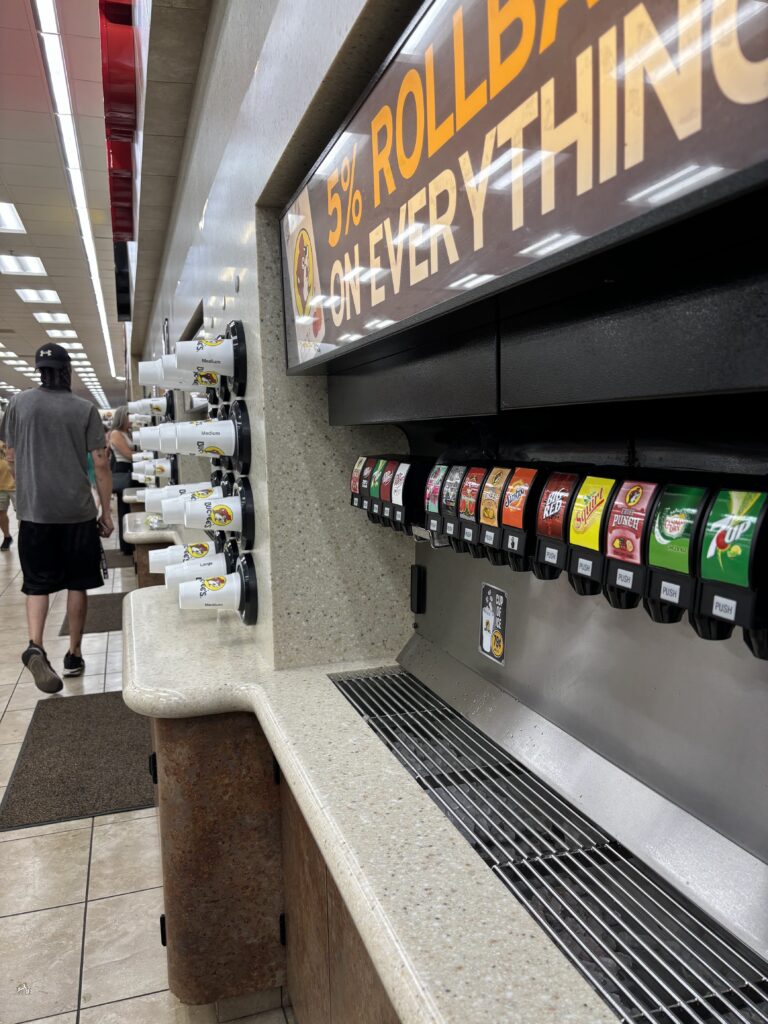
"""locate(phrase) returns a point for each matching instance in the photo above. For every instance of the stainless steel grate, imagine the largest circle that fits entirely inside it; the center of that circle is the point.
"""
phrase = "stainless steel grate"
(650, 952)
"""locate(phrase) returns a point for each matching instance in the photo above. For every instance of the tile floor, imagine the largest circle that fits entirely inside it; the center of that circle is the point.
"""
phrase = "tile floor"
(80, 900)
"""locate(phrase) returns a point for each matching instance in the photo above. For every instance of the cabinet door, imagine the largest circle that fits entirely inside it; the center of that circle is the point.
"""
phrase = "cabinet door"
(357, 994)
(306, 917)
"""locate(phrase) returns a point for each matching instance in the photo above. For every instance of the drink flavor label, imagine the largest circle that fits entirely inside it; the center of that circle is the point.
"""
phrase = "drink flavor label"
(376, 476)
(386, 481)
(432, 490)
(399, 482)
(627, 520)
(516, 496)
(589, 507)
(493, 623)
(451, 487)
(365, 479)
(730, 535)
(669, 543)
(354, 482)
(490, 499)
(553, 505)
(470, 493)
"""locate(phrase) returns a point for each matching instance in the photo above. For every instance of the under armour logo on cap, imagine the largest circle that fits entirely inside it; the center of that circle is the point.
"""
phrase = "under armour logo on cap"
(46, 352)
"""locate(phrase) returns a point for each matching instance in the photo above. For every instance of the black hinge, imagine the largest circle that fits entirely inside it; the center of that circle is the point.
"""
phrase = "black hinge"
(153, 767)
(163, 937)
(276, 771)
(418, 589)
(282, 929)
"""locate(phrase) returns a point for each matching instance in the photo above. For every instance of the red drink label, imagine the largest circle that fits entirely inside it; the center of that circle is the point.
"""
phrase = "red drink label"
(354, 483)
(554, 504)
(470, 492)
(516, 496)
(626, 521)
(386, 481)
(365, 479)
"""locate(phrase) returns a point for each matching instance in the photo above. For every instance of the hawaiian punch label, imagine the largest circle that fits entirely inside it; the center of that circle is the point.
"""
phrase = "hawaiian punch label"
(451, 487)
(376, 476)
(387, 479)
(470, 493)
(729, 536)
(357, 472)
(553, 505)
(627, 521)
(399, 483)
(589, 507)
(490, 499)
(516, 496)
(669, 543)
(432, 490)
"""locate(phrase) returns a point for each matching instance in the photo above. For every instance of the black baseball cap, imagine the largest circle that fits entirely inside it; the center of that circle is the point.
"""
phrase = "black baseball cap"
(52, 355)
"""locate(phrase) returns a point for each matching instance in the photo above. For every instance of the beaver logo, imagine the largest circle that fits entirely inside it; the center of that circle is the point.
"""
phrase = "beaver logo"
(208, 343)
(214, 583)
(211, 449)
(221, 515)
(202, 494)
(207, 378)
(303, 272)
(197, 550)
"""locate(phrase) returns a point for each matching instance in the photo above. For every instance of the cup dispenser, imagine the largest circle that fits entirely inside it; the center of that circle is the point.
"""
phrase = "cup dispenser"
(232, 515)
(586, 533)
(671, 546)
(630, 513)
(226, 356)
(550, 555)
(208, 438)
(214, 563)
(177, 553)
(174, 510)
(149, 406)
(164, 373)
(153, 501)
(519, 515)
(235, 591)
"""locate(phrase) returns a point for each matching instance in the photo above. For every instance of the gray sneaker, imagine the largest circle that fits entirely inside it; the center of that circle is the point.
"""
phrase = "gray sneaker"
(45, 676)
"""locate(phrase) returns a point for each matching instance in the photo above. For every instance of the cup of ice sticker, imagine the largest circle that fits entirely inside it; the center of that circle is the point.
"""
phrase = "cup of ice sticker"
(214, 514)
(212, 438)
(202, 354)
(159, 559)
(173, 509)
(213, 592)
(215, 564)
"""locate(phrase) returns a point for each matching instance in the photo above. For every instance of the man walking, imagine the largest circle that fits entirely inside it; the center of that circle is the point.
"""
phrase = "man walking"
(48, 432)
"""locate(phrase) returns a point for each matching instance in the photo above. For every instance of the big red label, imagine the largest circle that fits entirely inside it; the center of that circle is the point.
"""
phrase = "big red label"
(516, 496)
(554, 504)
(490, 500)
(470, 493)
(626, 521)
(387, 479)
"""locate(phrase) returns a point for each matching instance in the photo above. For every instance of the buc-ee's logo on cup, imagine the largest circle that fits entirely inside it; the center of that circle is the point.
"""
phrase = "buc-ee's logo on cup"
(208, 449)
(203, 343)
(197, 550)
(221, 515)
(210, 586)
(202, 494)
(304, 280)
(207, 378)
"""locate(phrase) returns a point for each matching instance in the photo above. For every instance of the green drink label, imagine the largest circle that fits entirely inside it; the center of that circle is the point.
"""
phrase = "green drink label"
(729, 536)
(669, 545)
(376, 477)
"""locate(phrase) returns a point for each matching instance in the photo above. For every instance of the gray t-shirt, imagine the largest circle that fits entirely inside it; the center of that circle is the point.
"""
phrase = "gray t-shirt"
(51, 432)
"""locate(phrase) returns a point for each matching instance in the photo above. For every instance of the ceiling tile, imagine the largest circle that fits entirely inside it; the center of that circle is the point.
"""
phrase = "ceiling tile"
(23, 92)
(19, 52)
(35, 177)
(40, 196)
(88, 99)
(13, 14)
(48, 214)
(91, 131)
(83, 57)
(41, 154)
(94, 157)
(79, 18)
(27, 126)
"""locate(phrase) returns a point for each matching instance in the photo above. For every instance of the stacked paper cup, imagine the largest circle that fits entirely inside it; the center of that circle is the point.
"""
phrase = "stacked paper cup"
(159, 495)
(223, 591)
(174, 509)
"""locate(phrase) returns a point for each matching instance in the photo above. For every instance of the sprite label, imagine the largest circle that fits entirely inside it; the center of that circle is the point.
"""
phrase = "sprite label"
(729, 536)
(669, 546)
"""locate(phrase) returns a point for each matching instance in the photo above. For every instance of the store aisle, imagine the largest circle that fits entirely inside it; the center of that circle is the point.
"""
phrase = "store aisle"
(80, 900)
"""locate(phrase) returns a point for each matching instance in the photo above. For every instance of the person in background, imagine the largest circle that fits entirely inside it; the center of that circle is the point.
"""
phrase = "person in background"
(48, 432)
(7, 498)
(122, 453)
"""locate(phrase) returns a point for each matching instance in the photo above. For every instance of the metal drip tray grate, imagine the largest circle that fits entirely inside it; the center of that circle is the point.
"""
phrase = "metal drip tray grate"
(650, 952)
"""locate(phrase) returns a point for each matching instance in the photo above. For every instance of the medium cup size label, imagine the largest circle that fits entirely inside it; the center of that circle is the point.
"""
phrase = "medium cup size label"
(516, 496)
(399, 483)
(451, 488)
(376, 475)
(387, 479)
(669, 542)
(490, 499)
(729, 537)
(589, 507)
(354, 483)
(553, 505)
(626, 522)
(432, 490)
(493, 623)
(470, 493)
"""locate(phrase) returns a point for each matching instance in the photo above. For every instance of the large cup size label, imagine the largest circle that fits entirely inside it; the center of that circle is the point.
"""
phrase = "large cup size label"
(554, 503)
(451, 488)
(399, 483)
(730, 535)
(354, 481)
(470, 493)
(516, 496)
(387, 480)
(376, 475)
(589, 507)
(490, 499)
(432, 490)
(365, 479)
(626, 522)
(669, 542)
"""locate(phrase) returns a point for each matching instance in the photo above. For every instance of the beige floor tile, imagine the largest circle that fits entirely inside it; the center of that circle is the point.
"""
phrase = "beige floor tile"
(123, 955)
(13, 726)
(113, 681)
(5, 695)
(60, 1018)
(110, 819)
(158, 1008)
(237, 1007)
(8, 754)
(94, 643)
(44, 871)
(114, 663)
(10, 669)
(40, 957)
(27, 695)
(45, 830)
(125, 858)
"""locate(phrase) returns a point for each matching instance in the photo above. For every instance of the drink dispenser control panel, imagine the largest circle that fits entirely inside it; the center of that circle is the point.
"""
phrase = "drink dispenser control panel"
(629, 516)
(549, 557)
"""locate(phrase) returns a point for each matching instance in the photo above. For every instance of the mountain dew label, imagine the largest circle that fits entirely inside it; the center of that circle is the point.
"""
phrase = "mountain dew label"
(729, 536)
(669, 545)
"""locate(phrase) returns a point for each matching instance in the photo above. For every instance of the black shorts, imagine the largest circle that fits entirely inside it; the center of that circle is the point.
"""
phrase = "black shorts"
(60, 556)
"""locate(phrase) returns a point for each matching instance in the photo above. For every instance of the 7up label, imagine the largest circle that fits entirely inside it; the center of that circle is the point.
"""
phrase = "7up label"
(729, 536)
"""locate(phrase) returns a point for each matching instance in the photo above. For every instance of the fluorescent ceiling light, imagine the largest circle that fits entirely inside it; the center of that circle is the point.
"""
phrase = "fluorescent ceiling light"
(70, 345)
(33, 295)
(7, 354)
(10, 220)
(22, 265)
(51, 318)
(472, 281)
(674, 184)
(552, 243)
(61, 334)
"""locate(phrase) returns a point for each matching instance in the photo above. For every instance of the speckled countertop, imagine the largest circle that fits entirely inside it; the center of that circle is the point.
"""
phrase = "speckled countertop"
(136, 531)
(450, 943)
